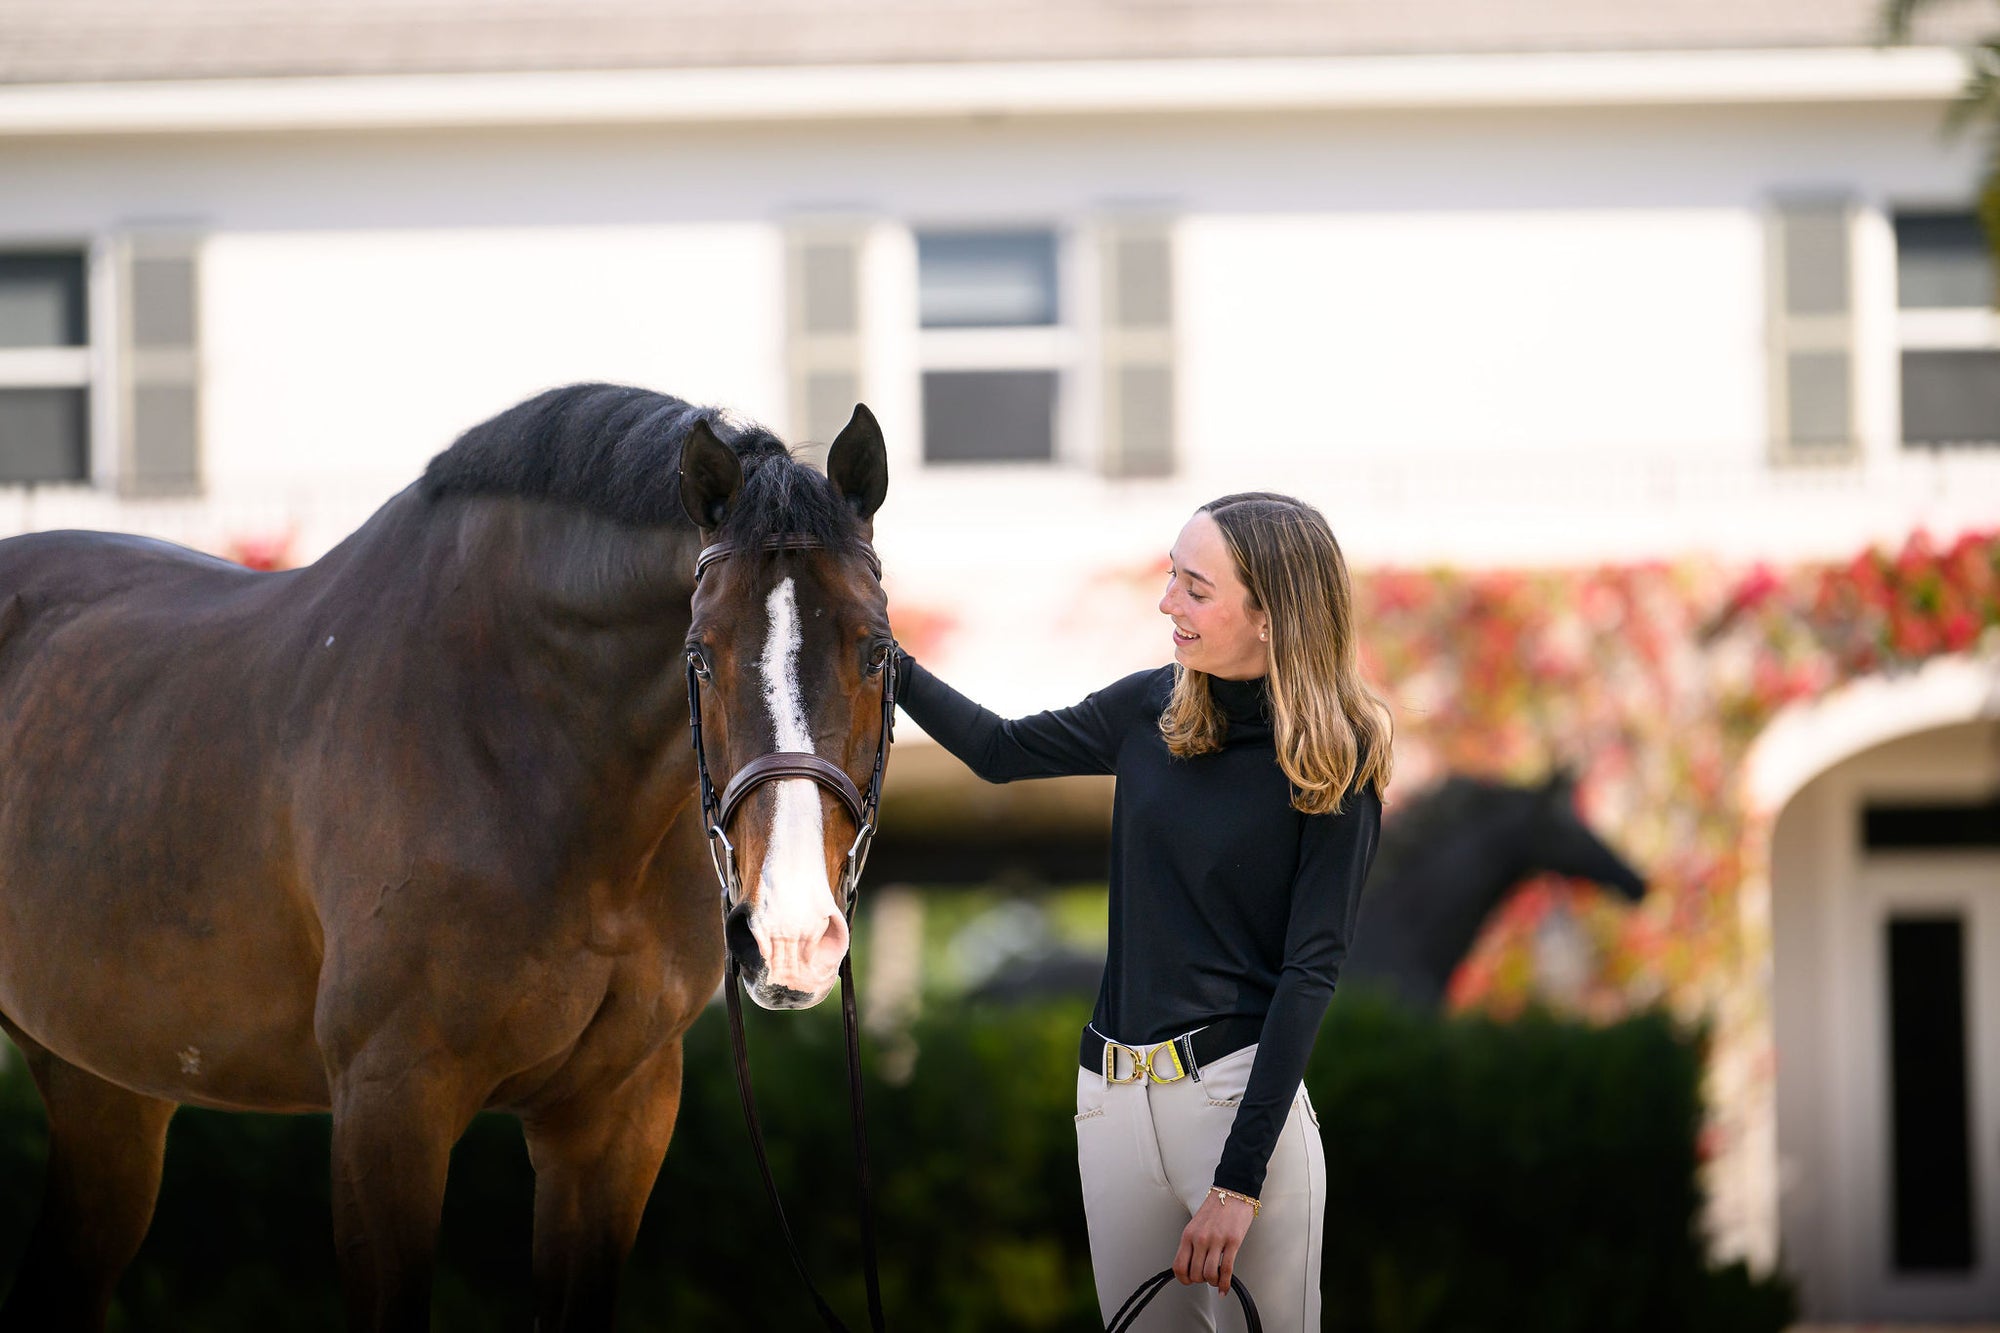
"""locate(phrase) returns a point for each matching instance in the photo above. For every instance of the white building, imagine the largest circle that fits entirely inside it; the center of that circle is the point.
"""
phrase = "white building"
(1535, 281)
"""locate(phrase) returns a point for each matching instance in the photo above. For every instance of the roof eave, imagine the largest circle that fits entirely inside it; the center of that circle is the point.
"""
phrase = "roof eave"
(950, 91)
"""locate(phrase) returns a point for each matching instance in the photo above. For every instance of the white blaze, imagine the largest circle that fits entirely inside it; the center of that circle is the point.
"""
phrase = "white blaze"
(796, 896)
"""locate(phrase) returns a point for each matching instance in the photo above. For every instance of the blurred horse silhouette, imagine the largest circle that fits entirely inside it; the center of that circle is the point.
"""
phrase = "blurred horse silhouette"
(412, 832)
(1448, 860)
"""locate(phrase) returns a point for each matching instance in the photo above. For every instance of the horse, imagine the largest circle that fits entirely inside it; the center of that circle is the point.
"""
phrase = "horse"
(412, 832)
(1445, 864)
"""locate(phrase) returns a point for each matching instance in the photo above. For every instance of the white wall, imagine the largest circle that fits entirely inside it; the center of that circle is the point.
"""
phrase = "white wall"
(332, 355)
(1582, 329)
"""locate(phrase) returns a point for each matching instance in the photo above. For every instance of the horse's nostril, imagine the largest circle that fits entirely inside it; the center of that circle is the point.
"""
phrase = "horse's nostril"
(742, 942)
(825, 953)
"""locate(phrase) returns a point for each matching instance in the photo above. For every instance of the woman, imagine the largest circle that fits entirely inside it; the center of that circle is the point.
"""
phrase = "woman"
(1248, 799)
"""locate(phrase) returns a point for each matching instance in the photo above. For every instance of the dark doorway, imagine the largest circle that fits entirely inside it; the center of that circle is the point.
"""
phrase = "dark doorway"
(1930, 1130)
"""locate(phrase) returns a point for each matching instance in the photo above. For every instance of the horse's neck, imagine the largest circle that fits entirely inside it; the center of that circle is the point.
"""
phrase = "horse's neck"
(554, 635)
(599, 607)
(1471, 877)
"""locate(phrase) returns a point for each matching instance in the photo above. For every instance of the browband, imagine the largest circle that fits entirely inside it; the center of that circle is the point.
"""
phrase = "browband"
(795, 542)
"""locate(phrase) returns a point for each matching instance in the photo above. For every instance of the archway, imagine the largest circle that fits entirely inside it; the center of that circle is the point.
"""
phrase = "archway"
(1883, 805)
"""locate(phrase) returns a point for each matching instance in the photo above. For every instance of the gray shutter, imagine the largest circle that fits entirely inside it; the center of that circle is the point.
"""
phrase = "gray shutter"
(1811, 318)
(159, 360)
(1136, 347)
(824, 328)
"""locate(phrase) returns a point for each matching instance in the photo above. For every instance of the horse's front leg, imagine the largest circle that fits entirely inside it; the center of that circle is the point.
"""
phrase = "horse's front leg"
(397, 1110)
(596, 1157)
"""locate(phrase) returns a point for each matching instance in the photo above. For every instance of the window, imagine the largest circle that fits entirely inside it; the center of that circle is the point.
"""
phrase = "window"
(993, 345)
(44, 368)
(1949, 339)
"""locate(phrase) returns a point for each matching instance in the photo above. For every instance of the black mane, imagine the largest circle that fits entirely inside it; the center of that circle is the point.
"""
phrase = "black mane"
(615, 450)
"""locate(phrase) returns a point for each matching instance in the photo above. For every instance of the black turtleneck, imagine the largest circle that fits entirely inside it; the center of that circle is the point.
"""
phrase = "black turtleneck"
(1226, 903)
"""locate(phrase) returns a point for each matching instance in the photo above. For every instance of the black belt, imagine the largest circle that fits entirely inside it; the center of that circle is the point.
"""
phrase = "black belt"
(1189, 1051)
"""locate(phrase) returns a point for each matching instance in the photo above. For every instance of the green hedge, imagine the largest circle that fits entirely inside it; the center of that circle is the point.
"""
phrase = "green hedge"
(1481, 1177)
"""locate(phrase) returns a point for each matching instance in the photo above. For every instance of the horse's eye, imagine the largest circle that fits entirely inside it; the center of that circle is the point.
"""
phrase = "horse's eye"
(879, 660)
(699, 661)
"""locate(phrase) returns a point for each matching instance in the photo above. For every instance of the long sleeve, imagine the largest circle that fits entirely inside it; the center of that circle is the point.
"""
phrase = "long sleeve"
(1083, 738)
(1335, 853)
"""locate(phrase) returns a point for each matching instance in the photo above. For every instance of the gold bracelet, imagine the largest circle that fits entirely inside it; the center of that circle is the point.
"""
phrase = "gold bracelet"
(1255, 1207)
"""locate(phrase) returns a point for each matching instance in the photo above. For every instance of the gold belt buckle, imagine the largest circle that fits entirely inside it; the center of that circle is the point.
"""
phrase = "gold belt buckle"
(1145, 1064)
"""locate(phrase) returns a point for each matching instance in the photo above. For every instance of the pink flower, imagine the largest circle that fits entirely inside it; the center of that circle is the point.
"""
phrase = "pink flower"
(1756, 586)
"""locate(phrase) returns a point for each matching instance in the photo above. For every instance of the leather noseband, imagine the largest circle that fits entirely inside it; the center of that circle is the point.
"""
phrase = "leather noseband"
(786, 764)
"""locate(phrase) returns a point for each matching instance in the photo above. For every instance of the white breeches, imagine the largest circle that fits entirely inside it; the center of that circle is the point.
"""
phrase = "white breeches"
(1147, 1153)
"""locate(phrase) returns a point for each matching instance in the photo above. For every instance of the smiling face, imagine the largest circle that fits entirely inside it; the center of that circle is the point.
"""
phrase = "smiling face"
(1216, 629)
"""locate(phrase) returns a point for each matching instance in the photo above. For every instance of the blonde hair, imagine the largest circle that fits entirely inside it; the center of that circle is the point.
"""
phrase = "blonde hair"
(1328, 725)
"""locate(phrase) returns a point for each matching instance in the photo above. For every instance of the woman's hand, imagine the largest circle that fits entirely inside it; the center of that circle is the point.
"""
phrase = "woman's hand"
(1209, 1245)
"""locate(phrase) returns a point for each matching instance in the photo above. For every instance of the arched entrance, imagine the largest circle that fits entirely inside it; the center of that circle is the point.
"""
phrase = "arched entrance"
(1885, 928)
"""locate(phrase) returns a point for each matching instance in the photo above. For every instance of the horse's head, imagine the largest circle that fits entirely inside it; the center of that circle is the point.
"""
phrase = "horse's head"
(790, 644)
(1559, 840)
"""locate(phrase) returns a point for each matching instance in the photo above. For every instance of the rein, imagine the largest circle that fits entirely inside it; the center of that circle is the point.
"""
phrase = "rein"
(717, 810)
(1128, 1313)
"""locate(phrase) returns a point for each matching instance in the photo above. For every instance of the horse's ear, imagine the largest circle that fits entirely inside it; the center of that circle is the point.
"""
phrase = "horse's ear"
(711, 476)
(858, 463)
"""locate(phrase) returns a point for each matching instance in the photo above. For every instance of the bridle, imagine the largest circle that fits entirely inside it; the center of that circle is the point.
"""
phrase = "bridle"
(716, 812)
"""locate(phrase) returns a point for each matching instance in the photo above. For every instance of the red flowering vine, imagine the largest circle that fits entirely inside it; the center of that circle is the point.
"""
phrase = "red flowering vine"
(1654, 681)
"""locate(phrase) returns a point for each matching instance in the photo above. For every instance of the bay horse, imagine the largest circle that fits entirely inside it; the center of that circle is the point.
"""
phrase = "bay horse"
(412, 832)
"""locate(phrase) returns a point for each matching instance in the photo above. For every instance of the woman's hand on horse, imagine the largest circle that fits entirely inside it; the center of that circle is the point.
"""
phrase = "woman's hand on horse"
(1209, 1244)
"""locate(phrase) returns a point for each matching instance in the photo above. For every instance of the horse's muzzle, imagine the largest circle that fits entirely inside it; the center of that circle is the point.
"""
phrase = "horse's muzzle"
(767, 993)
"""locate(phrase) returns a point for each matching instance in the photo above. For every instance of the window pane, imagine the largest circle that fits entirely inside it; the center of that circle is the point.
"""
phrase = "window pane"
(1951, 397)
(975, 416)
(1932, 824)
(1942, 261)
(42, 435)
(1930, 1130)
(41, 300)
(986, 279)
